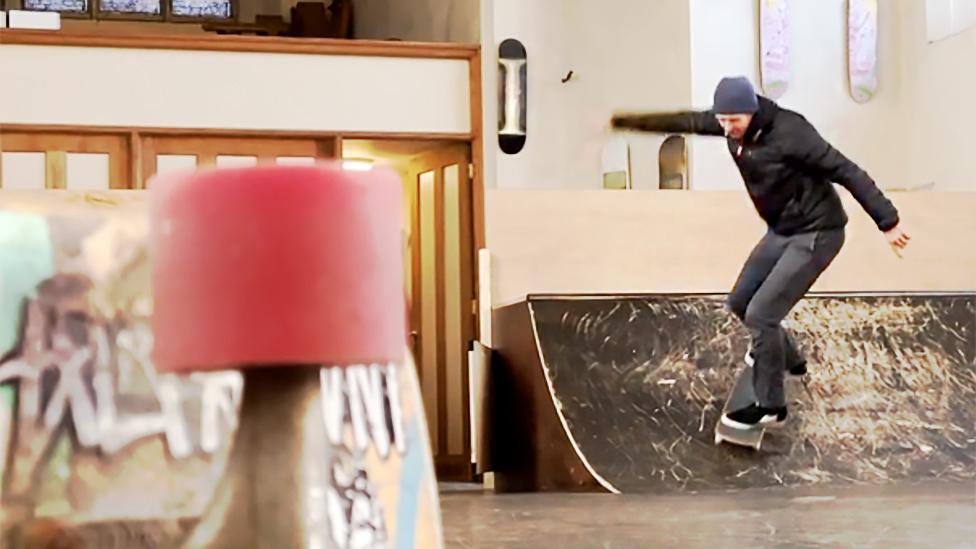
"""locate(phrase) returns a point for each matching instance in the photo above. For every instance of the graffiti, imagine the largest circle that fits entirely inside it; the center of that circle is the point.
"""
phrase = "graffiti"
(355, 514)
(75, 373)
(360, 405)
(363, 398)
(98, 449)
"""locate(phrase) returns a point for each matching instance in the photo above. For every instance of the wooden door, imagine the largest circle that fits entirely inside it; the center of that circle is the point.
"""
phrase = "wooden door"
(441, 294)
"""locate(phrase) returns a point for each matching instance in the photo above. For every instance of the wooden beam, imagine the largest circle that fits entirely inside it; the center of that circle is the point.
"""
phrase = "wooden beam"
(263, 44)
(440, 276)
(229, 132)
(477, 196)
(135, 161)
(477, 154)
(329, 147)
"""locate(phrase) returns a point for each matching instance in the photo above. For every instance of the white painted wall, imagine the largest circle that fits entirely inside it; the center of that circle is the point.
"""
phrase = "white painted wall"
(723, 42)
(489, 104)
(629, 53)
(232, 90)
(941, 86)
(724, 39)
(945, 18)
(670, 54)
(625, 54)
(541, 26)
(554, 241)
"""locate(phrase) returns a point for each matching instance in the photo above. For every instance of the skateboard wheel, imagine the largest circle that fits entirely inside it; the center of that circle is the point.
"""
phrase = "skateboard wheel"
(277, 264)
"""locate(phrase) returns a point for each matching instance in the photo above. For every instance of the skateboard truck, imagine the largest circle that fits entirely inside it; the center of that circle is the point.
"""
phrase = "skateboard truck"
(741, 395)
(741, 437)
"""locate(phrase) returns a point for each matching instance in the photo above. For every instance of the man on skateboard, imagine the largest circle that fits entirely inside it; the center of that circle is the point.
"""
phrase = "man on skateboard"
(788, 169)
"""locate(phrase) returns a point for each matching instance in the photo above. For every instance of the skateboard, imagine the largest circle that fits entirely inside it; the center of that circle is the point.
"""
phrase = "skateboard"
(512, 95)
(774, 38)
(742, 394)
(862, 46)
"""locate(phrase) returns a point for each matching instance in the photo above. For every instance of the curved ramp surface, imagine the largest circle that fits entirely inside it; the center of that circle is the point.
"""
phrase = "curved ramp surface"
(637, 384)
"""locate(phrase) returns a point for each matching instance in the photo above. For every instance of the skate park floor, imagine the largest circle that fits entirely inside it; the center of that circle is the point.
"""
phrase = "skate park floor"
(930, 514)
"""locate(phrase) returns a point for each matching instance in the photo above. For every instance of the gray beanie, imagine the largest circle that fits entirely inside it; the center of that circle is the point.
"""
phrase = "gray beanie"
(735, 95)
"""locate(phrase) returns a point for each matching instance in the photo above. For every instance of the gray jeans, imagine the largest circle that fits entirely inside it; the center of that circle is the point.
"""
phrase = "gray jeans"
(776, 276)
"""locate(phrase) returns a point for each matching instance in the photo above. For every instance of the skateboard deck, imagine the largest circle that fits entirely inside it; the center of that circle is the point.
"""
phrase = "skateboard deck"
(774, 38)
(742, 394)
(862, 46)
(512, 96)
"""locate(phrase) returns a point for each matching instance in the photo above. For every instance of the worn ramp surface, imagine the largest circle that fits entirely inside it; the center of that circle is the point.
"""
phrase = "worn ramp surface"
(637, 383)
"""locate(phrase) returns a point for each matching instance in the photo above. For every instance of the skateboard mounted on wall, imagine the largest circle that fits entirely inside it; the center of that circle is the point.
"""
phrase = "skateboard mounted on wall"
(774, 46)
(512, 96)
(862, 48)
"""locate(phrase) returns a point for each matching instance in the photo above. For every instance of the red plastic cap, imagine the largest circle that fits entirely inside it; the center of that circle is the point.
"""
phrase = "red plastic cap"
(277, 264)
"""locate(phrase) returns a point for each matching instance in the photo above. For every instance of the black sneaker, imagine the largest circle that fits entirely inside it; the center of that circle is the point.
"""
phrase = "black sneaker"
(798, 370)
(753, 416)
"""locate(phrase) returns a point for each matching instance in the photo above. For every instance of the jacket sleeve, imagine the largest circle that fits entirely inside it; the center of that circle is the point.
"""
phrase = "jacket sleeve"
(695, 122)
(807, 147)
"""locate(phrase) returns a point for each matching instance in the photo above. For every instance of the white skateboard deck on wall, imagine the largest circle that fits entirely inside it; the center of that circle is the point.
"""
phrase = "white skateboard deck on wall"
(774, 46)
(862, 48)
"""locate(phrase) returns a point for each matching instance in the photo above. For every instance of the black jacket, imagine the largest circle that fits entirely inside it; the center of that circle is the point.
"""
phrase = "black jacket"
(787, 167)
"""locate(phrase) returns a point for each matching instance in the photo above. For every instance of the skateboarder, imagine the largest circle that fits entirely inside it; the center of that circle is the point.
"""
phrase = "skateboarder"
(788, 169)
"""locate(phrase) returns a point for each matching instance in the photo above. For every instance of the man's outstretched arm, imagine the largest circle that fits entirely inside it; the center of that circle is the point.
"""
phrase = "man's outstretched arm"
(695, 122)
(807, 147)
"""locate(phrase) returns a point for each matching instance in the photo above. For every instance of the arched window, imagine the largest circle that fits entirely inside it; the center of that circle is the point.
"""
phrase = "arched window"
(673, 163)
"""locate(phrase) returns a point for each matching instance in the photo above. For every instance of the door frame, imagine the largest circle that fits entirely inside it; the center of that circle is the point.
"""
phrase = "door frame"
(457, 467)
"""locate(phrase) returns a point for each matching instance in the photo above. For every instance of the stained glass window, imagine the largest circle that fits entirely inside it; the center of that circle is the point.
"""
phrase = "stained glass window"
(145, 7)
(202, 8)
(76, 6)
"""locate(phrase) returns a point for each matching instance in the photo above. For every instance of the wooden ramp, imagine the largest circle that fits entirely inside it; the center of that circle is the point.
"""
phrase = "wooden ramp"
(621, 393)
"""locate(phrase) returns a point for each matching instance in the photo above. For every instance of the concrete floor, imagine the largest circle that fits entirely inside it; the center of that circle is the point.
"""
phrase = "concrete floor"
(918, 515)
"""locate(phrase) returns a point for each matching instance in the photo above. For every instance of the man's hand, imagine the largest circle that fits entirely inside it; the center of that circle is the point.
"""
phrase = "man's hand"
(897, 238)
(616, 122)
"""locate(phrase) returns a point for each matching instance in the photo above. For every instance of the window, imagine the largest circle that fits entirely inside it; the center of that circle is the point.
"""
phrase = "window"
(67, 6)
(202, 8)
(163, 10)
(148, 7)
